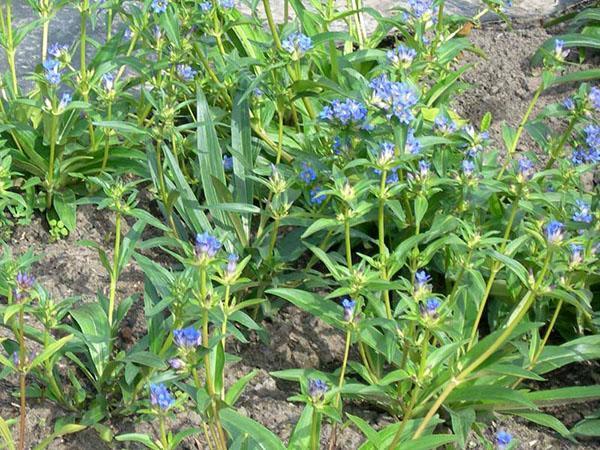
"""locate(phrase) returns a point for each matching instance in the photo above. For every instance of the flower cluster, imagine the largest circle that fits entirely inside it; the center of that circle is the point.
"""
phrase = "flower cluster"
(185, 72)
(346, 113)
(317, 196)
(231, 267)
(396, 98)
(560, 52)
(444, 125)
(52, 71)
(297, 44)
(422, 9)
(187, 338)
(594, 98)
(526, 169)
(401, 57)
(583, 213)
(317, 389)
(24, 283)
(307, 174)
(503, 439)
(430, 307)
(227, 163)
(576, 254)
(160, 396)
(206, 246)
(349, 306)
(590, 154)
(555, 232)
(159, 6)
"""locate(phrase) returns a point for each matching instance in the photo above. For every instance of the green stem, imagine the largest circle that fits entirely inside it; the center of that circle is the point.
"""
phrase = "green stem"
(22, 375)
(225, 306)
(279, 136)
(559, 147)
(381, 237)
(107, 138)
(314, 430)
(517, 138)
(495, 269)
(415, 393)
(10, 51)
(336, 402)
(45, 29)
(114, 276)
(163, 432)
(51, 161)
(347, 242)
(272, 26)
(513, 321)
(109, 24)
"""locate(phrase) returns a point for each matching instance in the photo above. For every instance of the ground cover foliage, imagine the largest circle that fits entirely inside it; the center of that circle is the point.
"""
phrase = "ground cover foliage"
(295, 163)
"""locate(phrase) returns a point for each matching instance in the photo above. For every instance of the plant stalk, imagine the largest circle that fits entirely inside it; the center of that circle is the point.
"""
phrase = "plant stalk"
(114, 276)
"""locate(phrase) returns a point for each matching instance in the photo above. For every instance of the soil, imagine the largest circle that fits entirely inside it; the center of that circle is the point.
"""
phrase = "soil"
(503, 85)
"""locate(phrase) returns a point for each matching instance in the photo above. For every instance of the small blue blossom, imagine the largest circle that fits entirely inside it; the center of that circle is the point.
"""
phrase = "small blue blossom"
(205, 6)
(422, 9)
(64, 101)
(317, 388)
(560, 52)
(396, 98)
(594, 97)
(227, 4)
(160, 6)
(307, 174)
(386, 154)
(232, 261)
(57, 50)
(207, 245)
(128, 34)
(526, 169)
(583, 213)
(576, 254)
(592, 136)
(413, 145)
(349, 305)
(401, 56)
(347, 113)
(422, 279)
(555, 232)
(176, 363)
(297, 44)
(444, 125)
(468, 167)
(52, 71)
(187, 338)
(424, 167)
(316, 196)
(431, 306)
(569, 103)
(24, 283)
(160, 396)
(503, 439)
(477, 140)
(108, 81)
(392, 176)
(185, 72)
(227, 163)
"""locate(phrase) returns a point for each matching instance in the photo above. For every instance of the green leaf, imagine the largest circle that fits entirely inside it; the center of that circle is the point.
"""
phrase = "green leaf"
(138, 437)
(564, 395)
(238, 387)
(147, 359)
(312, 303)
(515, 266)
(300, 438)
(462, 421)
(545, 420)
(63, 430)
(50, 350)
(587, 428)
(66, 208)
(124, 127)
(261, 437)
(6, 435)
(320, 224)
(488, 394)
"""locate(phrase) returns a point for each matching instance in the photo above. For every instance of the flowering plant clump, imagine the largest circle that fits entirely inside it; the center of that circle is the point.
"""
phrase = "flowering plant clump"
(293, 163)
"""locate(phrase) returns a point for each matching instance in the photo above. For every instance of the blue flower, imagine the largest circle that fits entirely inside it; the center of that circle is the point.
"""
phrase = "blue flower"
(386, 155)
(594, 97)
(57, 50)
(413, 145)
(503, 439)
(128, 34)
(431, 306)
(52, 74)
(347, 113)
(160, 6)
(297, 44)
(24, 283)
(207, 245)
(476, 140)
(526, 169)
(317, 388)
(424, 167)
(205, 6)
(422, 9)
(396, 98)
(422, 279)
(227, 163)
(186, 338)
(555, 232)
(176, 363)
(401, 56)
(569, 103)
(468, 167)
(392, 176)
(592, 136)
(108, 81)
(185, 72)
(227, 4)
(576, 254)
(316, 196)
(307, 174)
(160, 396)
(560, 52)
(65, 100)
(349, 305)
(232, 260)
(584, 212)
(444, 125)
